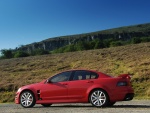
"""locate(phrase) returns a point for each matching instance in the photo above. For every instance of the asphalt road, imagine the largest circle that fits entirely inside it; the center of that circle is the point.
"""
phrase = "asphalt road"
(134, 106)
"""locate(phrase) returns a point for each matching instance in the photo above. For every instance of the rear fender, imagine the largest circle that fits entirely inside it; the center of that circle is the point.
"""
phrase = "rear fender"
(97, 87)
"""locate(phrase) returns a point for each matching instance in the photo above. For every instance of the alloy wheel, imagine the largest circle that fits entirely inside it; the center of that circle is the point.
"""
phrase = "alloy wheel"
(27, 99)
(98, 98)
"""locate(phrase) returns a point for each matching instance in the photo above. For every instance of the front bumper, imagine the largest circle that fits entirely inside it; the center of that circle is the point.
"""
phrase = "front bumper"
(17, 98)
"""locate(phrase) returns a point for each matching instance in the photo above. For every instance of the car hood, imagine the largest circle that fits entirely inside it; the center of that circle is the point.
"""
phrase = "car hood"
(32, 86)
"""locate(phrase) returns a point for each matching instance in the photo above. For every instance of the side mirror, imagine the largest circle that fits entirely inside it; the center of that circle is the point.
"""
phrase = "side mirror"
(48, 81)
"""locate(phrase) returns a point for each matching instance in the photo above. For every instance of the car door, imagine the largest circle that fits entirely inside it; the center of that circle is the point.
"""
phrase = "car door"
(56, 90)
(80, 83)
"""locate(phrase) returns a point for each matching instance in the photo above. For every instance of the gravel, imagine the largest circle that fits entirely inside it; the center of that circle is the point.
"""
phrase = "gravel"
(134, 106)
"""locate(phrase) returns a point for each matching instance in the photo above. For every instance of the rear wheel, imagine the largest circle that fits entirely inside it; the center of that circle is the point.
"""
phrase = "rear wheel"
(46, 105)
(27, 99)
(98, 98)
(111, 104)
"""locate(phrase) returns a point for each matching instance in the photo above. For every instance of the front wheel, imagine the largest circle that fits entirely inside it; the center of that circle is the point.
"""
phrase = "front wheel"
(27, 99)
(98, 98)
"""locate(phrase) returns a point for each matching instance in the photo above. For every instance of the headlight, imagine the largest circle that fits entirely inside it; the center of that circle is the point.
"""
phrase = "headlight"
(19, 90)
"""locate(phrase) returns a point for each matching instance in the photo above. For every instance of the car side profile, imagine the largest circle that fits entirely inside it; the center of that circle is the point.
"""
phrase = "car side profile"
(77, 86)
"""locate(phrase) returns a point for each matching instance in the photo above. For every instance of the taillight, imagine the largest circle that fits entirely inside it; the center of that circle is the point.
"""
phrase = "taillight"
(122, 83)
(125, 76)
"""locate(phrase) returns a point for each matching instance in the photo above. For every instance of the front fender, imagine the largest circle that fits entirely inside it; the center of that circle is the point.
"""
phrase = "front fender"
(33, 90)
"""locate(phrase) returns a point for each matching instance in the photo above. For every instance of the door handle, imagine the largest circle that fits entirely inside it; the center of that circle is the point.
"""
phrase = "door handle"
(90, 82)
(64, 84)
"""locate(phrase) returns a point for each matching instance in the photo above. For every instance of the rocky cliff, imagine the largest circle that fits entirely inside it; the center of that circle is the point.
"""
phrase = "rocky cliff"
(122, 33)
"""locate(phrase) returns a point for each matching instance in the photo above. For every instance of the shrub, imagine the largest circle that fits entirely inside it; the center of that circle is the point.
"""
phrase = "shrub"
(20, 54)
(80, 46)
(116, 43)
(136, 40)
(69, 48)
(145, 39)
(39, 52)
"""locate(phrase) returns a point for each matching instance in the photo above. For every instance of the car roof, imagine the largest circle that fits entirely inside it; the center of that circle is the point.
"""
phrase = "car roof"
(83, 70)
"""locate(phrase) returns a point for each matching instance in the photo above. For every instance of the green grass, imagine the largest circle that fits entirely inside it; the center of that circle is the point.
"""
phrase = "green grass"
(133, 59)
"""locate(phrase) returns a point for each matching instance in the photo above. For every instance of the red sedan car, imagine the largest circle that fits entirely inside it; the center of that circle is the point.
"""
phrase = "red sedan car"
(77, 86)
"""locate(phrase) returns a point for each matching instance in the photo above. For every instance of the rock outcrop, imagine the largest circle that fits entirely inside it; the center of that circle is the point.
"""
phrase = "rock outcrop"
(123, 33)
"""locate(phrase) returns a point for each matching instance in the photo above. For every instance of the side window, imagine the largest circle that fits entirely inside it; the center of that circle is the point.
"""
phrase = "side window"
(83, 75)
(61, 77)
(93, 75)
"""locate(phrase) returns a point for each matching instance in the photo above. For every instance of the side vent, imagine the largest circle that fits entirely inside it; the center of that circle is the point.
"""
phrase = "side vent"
(38, 95)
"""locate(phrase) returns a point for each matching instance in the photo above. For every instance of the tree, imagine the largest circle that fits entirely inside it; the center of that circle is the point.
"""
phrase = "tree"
(7, 53)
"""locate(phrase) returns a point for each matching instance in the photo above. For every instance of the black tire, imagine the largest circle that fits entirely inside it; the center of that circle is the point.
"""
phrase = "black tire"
(46, 105)
(110, 104)
(99, 98)
(27, 99)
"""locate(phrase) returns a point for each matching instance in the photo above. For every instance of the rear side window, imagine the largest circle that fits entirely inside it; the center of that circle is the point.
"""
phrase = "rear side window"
(94, 75)
(83, 75)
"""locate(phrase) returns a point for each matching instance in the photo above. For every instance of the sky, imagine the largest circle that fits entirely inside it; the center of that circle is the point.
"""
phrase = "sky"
(27, 21)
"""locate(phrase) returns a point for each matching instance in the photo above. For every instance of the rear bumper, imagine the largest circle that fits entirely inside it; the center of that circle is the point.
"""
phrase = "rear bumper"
(129, 96)
(122, 94)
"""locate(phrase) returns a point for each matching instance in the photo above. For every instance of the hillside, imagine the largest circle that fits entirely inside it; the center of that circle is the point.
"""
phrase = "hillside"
(133, 59)
(121, 33)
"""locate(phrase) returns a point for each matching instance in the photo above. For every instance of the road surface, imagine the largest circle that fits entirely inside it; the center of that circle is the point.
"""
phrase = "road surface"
(134, 106)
